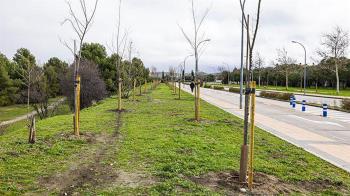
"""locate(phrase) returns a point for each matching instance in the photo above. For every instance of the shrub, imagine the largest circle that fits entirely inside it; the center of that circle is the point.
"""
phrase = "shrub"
(207, 86)
(346, 104)
(93, 87)
(276, 95)
(234, 90)
(219, 88)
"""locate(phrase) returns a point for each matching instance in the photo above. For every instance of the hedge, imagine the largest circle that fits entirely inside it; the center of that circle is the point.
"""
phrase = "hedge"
(346, 104)
(276, 95)
(218, 87)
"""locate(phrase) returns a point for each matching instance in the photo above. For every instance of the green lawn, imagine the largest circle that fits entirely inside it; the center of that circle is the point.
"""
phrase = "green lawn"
(320, 91)
(13, 111)
(158, 150)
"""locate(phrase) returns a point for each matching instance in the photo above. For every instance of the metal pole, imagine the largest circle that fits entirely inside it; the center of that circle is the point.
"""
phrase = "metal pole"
(242, 58)
(305, 72)
(295, 42)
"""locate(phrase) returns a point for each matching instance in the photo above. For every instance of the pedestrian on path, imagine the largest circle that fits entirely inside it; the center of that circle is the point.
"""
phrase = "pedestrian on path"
(192, 86)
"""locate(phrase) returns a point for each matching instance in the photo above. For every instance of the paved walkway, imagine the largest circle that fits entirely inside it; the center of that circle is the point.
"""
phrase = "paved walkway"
(327, 138)
(23, 117)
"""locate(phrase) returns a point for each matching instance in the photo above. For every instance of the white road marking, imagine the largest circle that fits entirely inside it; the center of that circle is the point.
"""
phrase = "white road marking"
(318, 122)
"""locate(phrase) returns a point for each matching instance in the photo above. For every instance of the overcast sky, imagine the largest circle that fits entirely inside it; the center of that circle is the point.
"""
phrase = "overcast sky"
(35, 24)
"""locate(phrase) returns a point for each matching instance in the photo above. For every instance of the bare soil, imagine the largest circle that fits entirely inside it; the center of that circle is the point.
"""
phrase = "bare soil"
(92, 170)
(264, 184)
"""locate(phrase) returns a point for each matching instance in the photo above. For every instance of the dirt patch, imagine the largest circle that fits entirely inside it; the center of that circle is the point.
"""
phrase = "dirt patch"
(3, 129)
(202, 121)
(132, 180)
(89, 137)
(119, 111)
(176, 114)
(91, 169)
(264, 184)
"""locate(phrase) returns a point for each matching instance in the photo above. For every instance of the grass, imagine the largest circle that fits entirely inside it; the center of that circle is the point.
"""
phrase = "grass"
(311, 90)
(160, 140)
(13, 111)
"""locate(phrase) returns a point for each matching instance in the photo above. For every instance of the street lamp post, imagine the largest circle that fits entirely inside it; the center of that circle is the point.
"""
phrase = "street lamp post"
(295, 42)
(185, 65)
(196, 55)
(242, 58)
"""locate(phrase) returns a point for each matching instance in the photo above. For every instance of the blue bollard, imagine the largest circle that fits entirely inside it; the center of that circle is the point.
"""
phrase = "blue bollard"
(291, 100)
(294, 102)
(325, 110)
(303, 108)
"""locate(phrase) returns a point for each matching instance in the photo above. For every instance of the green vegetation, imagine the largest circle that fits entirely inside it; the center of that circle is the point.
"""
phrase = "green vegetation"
(11, 112)
(218, 87)
(157, 149)
(207, 86)
(276, 95)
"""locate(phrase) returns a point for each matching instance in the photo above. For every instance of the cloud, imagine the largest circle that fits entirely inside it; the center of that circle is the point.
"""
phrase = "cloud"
(35, 24)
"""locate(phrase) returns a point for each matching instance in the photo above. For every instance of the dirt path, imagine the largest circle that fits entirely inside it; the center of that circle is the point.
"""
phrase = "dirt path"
(95, 169)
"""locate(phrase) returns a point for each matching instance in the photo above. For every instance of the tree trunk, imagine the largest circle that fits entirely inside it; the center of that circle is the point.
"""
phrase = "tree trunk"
(337, 75)
(32, 134)
(287, 81)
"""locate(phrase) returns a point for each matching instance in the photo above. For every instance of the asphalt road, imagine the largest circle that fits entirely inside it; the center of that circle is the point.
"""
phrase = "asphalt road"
(327, 138)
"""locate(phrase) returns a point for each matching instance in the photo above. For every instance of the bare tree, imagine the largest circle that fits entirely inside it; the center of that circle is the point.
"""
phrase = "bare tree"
(81, 24)
(30, 74)
(119, 49)
(285, 63)
(251, 38)
(154, 72)
(196, 41)
(335, 45)
(259, 64)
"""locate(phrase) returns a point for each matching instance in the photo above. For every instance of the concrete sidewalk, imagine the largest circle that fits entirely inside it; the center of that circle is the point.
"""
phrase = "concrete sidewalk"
(327, 138)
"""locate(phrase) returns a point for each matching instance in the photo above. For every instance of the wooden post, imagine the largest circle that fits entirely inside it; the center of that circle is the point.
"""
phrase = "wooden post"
(77, 108)
(179, 89)
(197, 100)
(140, 87)
(134, 90)
(120, 95)
(32, 134)
(252, 127)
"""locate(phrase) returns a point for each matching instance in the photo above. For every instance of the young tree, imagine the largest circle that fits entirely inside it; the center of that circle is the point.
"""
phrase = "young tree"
(196, 41)
(40, 93)
(335, 45)
(285, 64)
(259, 64)
(81, 25)
(27, 71)
(119, 49)
(251, 38)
